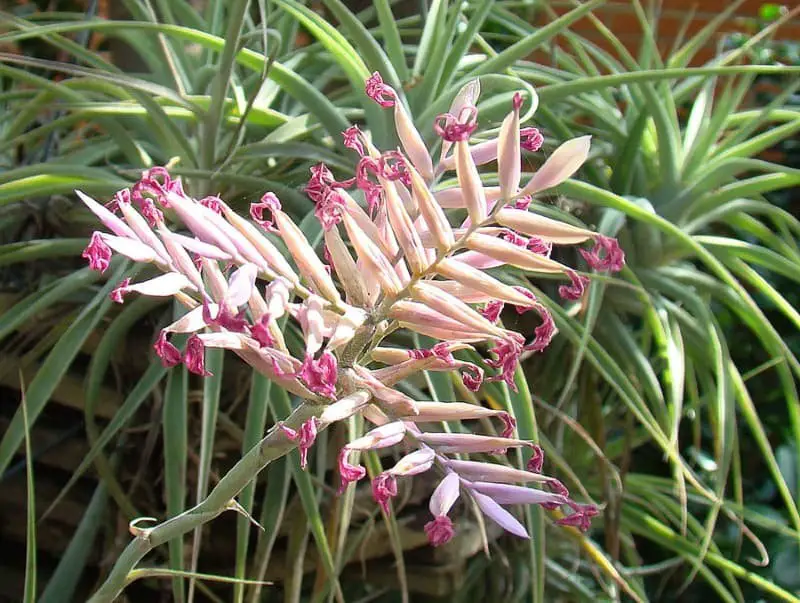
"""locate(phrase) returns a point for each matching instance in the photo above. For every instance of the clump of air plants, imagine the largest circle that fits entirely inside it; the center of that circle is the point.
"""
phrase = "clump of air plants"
(400, 261)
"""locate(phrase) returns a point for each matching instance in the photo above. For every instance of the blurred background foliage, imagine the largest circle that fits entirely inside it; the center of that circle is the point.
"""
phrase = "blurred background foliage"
(670, 395)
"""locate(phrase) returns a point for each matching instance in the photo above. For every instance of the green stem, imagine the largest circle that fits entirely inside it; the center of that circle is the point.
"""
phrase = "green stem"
(274, 445)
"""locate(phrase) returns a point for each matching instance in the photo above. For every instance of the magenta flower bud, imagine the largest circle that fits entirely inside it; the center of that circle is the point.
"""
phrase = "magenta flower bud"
(320, 374)
(168, 353)
(212, 202)
(194, 357)
(151, 213)
(545, 332)
(384, 487)
(98, 253)
(393, 167)
(372, 191)
(352, 140)
(530, 139)
(304, 437)
(439, 531)
(575, 290)
(381, 93)
(515, 238)
(536, 461)
(329, 208)
(529, 294)
(347, 472)
(581, 518)
(538, 245)
(556, 487)
(441, 350)
(319, 183)
(225, 318)
(491, 311)
(472, 377)
(454, 129)
(605, 255)
(509, 425)
(523, 202)
(507, 351)
(119, 291)
(268, 201)
(260, 332)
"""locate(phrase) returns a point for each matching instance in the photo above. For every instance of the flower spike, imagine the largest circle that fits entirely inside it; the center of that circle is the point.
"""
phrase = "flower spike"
(402, 260)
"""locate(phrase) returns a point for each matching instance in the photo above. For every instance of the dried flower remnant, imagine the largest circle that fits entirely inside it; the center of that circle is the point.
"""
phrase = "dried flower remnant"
(400, 262)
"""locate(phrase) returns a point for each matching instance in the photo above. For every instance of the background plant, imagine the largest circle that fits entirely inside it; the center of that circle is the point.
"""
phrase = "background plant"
(685, 190)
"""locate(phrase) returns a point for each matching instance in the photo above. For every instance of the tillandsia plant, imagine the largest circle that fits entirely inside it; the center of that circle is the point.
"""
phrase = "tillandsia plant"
(414, 269)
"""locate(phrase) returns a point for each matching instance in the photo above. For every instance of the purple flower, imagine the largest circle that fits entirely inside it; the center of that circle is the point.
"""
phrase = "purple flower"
(152, 214)
(441, 350)
(440, 530)
(523, 202)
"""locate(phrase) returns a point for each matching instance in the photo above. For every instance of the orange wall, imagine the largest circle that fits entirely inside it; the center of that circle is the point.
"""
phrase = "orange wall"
(620, 18)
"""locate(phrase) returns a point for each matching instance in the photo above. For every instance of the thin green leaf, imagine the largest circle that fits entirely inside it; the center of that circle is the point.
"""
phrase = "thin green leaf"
(29, 595)
(174, 428)
(57, 364)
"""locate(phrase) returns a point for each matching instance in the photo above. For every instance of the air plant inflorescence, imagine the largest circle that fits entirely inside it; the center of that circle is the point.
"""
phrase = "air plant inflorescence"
(410, 258)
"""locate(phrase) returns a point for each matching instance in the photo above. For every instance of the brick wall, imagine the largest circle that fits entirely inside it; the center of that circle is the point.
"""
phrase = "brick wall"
(620, 18)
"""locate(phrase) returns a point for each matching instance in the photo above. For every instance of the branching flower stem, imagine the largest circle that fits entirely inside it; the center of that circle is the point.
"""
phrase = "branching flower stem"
(272, 447)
